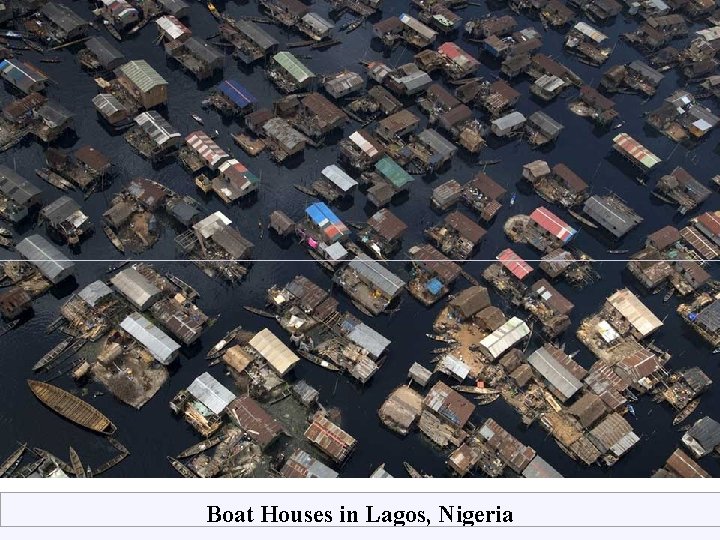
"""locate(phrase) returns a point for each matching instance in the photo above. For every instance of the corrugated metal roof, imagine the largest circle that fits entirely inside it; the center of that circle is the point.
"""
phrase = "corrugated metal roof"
(236, 93)
(21, 75)
(393, 172)
(107, 104)
(204, 51)
(587, 30)
(158, 343)
(633, 149)
(208, 390)
(142, 75)
(539, 468)
(505, 337)
(256, 34)
(94, 292)
(135, 287)
(637, 313)
(417, 26)
(439, 144)
(317, 23)
(612, 214)
(364, 145)
(514, 264)
(47, 258)
(172, 27)
(509, 121)
(553, 224)
(17, 188)
(556, 374)
(293, 66)
(302, 465)
(378, 275)
(157, 128)
(207, 148)
(457, 55)
(108, 56)
(274, 351)
(339, 177)
(370, 340)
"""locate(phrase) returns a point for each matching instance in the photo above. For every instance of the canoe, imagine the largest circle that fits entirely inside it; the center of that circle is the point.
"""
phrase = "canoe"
(12, 461)
(181, 468)
(71, 407)
(475, 390)
(76, 463)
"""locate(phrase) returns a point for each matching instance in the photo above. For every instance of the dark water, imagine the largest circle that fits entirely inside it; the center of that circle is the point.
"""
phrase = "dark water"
(153, 433)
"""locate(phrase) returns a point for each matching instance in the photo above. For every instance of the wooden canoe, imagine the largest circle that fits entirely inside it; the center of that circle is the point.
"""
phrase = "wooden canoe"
(475, 390)
(71, 407)
(76, 463)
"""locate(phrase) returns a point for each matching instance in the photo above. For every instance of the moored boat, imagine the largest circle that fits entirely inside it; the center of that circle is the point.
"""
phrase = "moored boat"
(182, 469)
(220, 346)
(475, 390)
(687, 411)
(201, 447)
(258, 311)
(76, 464)
(71, 407)
(53, 354)
(114, 239)
(8, 466)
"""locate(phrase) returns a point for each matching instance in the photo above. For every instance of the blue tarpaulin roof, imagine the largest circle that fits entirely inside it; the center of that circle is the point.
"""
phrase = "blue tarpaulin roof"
(434, 286)
(236, 93)
(321, 214)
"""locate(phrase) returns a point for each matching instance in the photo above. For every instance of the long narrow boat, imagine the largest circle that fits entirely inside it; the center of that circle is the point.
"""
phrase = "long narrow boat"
(475, 390)
(220, 346)
(195, 449)
(12, 461)
(120, 447)
(55, 324)
(260, 312)
(182, 469)
(114, 239)
(54, 179)
(53, 354)
(687, 411)
(71, 407)
(76, 463)
(109, 464)
(318, 361)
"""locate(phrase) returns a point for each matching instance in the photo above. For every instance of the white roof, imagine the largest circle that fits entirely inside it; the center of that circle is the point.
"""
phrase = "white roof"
(171, 26)
(607, 332)
(638, 315)
(363, 144)
(211, 224)
(455, 366)
(161, 346)
(211, 393)
(505, 337)
(339, 177)
(587, 30)
(135, 287)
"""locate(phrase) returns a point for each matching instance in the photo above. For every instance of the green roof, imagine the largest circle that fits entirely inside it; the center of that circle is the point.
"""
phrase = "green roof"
(143, 75)
(393, 172)
(293, 66)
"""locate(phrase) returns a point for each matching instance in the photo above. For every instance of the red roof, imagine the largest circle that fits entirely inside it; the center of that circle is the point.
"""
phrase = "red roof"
(512, 261)
(455, 53)
(711, 222)
(552, 224)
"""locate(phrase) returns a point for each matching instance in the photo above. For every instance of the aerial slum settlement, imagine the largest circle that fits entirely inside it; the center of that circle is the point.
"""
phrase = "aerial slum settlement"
(455, 204)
